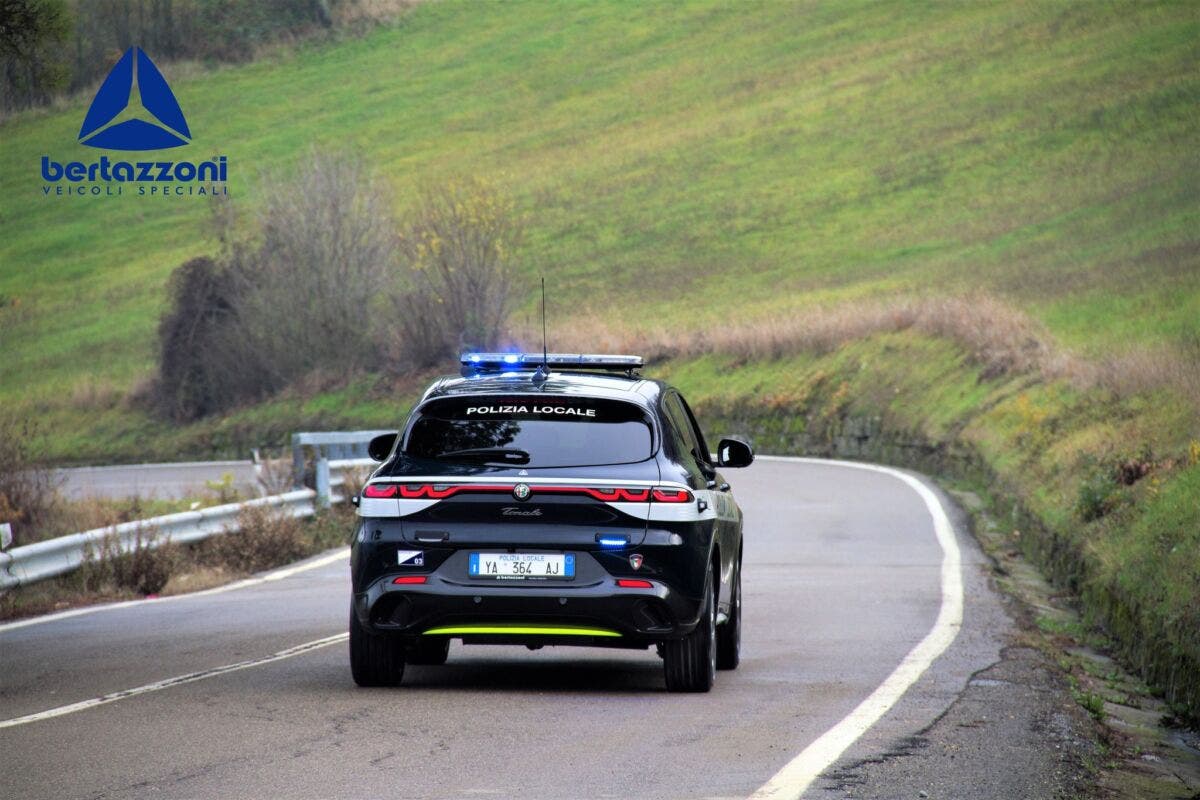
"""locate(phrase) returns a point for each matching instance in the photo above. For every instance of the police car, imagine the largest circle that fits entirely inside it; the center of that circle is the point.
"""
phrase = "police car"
(549, 499)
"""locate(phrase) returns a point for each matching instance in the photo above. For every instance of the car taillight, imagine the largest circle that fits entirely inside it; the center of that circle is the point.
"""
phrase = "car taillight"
(409, 579)
(606, 494)
(672, 496)
(416, 491)
(619, 495)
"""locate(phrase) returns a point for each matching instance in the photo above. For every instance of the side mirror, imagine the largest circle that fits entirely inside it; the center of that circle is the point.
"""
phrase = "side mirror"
(381, 446)
(735, 451)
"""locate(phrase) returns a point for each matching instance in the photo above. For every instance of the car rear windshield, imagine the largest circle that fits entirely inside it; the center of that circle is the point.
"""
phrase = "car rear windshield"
(530, 432)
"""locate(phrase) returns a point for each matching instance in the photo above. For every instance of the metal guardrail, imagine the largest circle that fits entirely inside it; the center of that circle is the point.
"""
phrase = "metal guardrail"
(40, 560)
(334, 446)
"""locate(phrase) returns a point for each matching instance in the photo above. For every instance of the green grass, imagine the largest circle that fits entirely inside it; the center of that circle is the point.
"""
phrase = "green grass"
(919, 402)
(742, 160)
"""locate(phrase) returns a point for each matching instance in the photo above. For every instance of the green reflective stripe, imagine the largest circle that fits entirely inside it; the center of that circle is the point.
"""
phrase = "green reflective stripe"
(534, 630)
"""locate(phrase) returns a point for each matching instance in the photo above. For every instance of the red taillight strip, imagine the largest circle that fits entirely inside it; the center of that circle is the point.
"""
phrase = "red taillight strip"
(419, 491)
(672, 496)
(606, 494)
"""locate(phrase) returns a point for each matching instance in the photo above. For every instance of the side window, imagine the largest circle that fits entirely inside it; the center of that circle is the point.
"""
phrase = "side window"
(696, 432)
(685, 433)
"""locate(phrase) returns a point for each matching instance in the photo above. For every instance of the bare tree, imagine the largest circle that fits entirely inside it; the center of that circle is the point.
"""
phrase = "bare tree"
(294, 301)
(327, 252)
(457, 284)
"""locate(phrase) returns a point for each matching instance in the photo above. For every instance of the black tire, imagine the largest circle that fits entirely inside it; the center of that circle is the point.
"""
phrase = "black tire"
(375, 660)
(729, 635)
(690, 663)
(429, 650)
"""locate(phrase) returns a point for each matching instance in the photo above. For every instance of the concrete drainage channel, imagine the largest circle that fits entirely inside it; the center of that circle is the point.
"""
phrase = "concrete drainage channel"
(334, 453)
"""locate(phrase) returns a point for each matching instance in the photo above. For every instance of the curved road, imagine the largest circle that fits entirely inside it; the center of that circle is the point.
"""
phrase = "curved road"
(843, 578)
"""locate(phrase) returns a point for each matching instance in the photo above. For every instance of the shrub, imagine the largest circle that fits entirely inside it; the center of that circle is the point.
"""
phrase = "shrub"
(273, 475)
(51, 45)
(145, 568)
(328, 246)
(192, 364)
(457, 292)
(28, 491)
(246, 325)
(332, 527)
(1098, 495)
(265, 537)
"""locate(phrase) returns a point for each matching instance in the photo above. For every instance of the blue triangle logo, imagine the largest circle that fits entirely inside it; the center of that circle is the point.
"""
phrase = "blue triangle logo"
(155, 122)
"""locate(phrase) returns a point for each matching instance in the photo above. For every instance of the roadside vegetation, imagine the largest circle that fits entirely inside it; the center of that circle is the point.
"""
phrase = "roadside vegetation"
(53, 48)
(266, 539)
(961, 238)
(328, 284)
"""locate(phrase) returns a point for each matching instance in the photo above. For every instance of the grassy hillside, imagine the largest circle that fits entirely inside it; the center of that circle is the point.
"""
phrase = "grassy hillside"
(743, 160)
(684, 166)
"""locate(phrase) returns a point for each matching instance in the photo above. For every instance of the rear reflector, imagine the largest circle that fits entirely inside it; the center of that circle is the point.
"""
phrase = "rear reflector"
(629, 583)
(410, 579)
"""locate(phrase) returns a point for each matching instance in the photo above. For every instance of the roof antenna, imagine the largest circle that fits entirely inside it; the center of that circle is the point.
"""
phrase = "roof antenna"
(543, 371)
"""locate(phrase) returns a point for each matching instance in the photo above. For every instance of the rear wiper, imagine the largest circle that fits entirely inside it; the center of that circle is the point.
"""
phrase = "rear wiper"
(502, 455)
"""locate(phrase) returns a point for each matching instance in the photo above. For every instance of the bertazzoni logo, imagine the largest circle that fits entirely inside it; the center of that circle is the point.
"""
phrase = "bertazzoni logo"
(134, 110)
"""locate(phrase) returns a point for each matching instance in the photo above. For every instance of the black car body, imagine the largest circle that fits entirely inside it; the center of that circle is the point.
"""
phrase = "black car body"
(549, 500)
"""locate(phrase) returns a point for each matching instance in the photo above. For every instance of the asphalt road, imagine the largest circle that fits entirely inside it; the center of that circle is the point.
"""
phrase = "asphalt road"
(159, 481)
(843, 578)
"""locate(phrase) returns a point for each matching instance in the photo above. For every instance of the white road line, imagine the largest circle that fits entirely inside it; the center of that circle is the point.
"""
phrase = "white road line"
(179, 680)
(801, 771)
(341, 554)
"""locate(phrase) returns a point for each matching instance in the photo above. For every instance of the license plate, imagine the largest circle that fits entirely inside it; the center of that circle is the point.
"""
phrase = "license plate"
(523, 566)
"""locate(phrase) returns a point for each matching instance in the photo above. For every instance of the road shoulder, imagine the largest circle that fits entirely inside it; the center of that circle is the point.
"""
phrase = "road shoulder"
(1053, 717)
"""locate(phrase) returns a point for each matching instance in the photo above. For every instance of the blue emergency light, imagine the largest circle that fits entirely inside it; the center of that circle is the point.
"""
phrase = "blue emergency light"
(482, 363)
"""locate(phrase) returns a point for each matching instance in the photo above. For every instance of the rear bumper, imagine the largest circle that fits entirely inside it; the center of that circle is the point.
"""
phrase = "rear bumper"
(638, 616)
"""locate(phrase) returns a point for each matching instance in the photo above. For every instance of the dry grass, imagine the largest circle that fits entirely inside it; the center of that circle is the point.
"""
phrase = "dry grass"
(273, 475)
(1137, 371)
(1000, 338)
(92, 392)
(266, 537)
(29, 496)
(144, 568)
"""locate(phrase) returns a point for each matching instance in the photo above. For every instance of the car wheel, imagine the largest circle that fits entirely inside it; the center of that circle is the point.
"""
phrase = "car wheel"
(375, 659)
(429, 650)
(729, 635)
(690, 663)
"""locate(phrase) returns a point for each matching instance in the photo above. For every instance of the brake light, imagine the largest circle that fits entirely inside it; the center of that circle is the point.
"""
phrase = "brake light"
(672, 496)
(606, 495)
(438, 491)
(629, 583)
(379, 490)
(409, 579)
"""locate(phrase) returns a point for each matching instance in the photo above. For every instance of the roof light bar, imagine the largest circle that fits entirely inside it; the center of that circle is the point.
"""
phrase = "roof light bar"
(475, 363)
